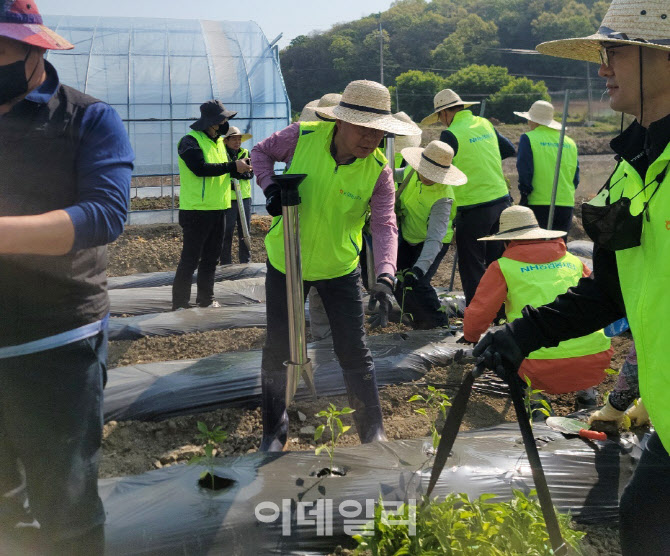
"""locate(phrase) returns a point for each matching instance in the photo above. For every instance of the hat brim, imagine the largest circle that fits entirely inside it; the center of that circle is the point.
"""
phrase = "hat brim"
(587, 48)
(35, 35)
(534, 233)
(201, 124)
(434, 118)
(553, 124)
(244, 136)
(447, 176)
(383, 122)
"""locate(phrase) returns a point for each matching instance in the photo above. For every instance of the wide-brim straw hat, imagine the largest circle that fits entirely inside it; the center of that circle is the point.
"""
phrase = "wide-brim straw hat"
(435, 163)
(327, 101)
(635, 22)
(443, 100)
(368, 104)
(541, 112)
(233, 131)
(520, 223)
(406, 141)
(308, 113)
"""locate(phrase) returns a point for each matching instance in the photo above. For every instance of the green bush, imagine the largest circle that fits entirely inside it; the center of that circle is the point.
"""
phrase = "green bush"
(517, 95)
(478, 80)
(460, 527)
(416, 90)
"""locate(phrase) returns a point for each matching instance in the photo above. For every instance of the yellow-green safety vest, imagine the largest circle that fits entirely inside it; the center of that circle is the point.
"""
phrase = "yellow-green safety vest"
(479, 158)
(538, 284)
(415, 204)
(205, 193)
(544, 145)
(644, 275)
(334, 202)
(245, 185)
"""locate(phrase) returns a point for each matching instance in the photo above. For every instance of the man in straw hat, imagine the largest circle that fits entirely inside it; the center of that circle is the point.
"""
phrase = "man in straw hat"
(319, 325)
(479, 152)
(629, 222)
(204, 196)
(64, 187)
(533, 270)
(536, 165)
(233, 141)
(424, 219)
(346, 176)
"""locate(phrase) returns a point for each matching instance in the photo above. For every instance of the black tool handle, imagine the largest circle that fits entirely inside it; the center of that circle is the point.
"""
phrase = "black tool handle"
(539, 478)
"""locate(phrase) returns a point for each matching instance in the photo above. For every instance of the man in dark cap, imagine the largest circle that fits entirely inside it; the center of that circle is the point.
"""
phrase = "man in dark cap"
(64, 186)
(204, 172)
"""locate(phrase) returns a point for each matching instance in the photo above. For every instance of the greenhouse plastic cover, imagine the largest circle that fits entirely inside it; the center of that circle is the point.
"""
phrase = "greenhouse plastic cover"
(165, 512)
(155, 391)
(157, 72)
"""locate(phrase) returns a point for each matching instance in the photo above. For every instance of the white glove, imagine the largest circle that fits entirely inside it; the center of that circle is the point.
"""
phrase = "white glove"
(607, 413)
(637, 414)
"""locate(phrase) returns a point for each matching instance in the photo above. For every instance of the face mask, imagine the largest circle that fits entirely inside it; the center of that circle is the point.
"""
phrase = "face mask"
(13, 82)
(611, 225)
(223, 128)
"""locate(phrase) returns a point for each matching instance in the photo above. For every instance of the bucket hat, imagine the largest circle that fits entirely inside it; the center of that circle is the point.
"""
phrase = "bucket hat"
(406, 141)
(434, 162)
(446, 99)
(232, 131)
(541, 112)
(21, 20)
(520, 223)
(368, 104)
(634, 22)
(212, 112)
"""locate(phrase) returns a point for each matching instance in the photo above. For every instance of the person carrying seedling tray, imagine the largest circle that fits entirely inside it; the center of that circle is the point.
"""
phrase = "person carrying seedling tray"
(534, 268)
(629, 222)
(425, 211)
(346, 175)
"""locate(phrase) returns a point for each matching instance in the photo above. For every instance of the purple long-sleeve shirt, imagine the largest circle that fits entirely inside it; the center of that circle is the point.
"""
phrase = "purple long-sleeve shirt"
(280, 146)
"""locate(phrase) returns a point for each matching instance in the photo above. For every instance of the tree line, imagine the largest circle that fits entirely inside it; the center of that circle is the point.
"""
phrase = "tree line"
(473, 46)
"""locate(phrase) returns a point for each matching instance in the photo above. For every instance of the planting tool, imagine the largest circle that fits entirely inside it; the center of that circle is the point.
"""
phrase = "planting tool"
(299, 364)
(243, 216)
(574, 427)
(450, 431)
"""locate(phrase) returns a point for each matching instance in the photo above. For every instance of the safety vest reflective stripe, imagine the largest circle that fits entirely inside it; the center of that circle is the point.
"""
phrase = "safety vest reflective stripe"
(334, 202)
(416, 202)
(245, 185)
(478, 157)
(644, 275)
(205, 193)
(544, 144)
(538, 284)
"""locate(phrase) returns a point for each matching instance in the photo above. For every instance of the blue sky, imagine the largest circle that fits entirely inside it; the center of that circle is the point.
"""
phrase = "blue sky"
(293, 18)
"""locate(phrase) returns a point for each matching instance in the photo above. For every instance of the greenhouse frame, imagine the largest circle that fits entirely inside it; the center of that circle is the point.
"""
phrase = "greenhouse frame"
(157, 72)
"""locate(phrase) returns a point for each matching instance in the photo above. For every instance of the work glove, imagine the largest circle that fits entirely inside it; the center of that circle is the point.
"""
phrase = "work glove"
(607, 413)
(381, 293)
(638, 415)
(499, 352)
(273, 199)
(523, 202)
(243, 165)
(411, 277)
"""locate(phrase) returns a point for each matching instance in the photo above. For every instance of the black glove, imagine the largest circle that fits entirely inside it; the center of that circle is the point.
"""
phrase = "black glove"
(462, 340)
(412, 277)
(498, 351)
(523, 202)
(273, 199)
(382, 293)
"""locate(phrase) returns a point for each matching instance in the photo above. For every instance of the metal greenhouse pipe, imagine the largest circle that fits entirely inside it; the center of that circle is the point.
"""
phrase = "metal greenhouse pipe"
(243, 216)
(298, 364)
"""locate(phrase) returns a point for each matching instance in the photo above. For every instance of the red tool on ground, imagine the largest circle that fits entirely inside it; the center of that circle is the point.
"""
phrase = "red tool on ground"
(574, 427)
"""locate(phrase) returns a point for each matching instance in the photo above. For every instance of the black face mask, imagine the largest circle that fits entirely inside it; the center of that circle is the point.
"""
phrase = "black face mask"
(611, 225)
(223, 128)
(13, 82)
